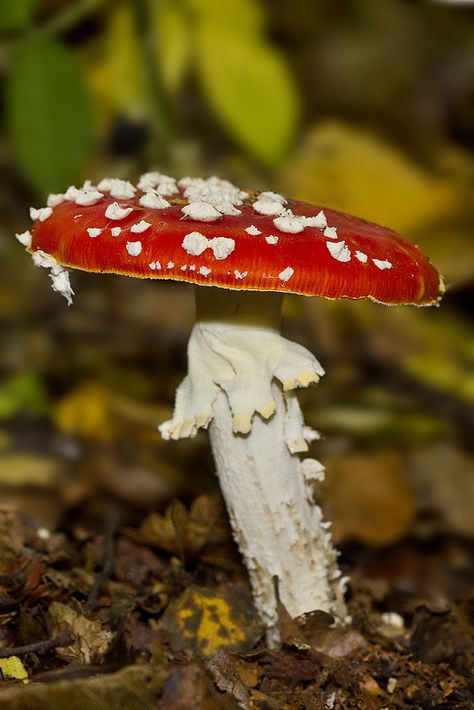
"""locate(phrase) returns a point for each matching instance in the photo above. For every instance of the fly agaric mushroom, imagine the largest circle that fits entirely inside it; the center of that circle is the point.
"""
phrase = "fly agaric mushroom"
(243, 251)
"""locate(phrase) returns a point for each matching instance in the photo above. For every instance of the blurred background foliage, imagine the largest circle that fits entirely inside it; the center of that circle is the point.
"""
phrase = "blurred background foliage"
(362, 106)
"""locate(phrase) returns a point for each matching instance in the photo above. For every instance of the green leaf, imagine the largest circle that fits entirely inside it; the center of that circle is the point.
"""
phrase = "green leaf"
(15, 14)
(49, 114)
(23, 392)
(249, 87)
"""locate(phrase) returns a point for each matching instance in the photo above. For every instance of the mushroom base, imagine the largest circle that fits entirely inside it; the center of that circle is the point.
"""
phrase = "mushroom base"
(240, 383)
(277, 526)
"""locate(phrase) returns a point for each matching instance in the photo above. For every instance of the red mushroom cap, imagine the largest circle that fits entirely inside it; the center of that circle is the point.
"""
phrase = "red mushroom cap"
(208, 232)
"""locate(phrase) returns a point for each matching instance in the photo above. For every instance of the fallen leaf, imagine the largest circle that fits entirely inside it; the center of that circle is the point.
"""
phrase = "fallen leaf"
(203, 532)
(443, 478)
(20, 469)
(12, 668)
(228, 678)
(85, 412)
(367, 498)
(354, 171)
(91, 640)
(188, 686)
(205, 620)
(133, 688)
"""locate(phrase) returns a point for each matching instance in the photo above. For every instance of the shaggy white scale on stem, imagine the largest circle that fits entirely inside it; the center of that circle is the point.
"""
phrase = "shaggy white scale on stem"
(240, 382)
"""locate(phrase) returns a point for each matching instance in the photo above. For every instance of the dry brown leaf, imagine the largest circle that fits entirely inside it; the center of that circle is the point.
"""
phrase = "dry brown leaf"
(443, 478)
(202, 532)
(367, 498)
(91, 640)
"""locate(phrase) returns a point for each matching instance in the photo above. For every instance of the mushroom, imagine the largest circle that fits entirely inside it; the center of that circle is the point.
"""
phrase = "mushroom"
(243, 251)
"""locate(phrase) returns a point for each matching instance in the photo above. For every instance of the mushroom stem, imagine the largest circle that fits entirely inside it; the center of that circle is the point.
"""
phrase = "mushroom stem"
(240, 380)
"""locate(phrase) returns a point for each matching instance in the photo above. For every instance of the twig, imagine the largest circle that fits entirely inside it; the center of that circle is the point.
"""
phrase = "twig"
(64, 639)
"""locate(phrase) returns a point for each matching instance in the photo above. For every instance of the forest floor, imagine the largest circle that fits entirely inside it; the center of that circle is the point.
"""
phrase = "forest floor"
(156, 613)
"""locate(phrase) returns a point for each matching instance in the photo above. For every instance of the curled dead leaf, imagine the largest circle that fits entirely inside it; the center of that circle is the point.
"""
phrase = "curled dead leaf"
(91, 639)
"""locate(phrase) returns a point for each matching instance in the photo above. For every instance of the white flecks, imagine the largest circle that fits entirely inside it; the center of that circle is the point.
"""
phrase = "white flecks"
(330, 232)
(195, 243)
(162, 184)
(184, 267)
(382, 264)
(61, 284)
(391, 618)
(286, 274)
(201, 211)
(40, 258)
(42, 213)
(59, 275)
(319, 221)
(106, 184)
(391, 684)
(94, 232)
(222, 247)
(88, 197)
(186, 181)
(55, 199)
(114, 211)
(78, 216)
(267, 207)
(153, 201)
(123, 190)
(134, 248)
(204, 271)
(221, 194)
(43, 533)
(228, 208)
(24, 238)
(361, 256)
(71, 193)
(288, 222)
(270, 204)
(192, 267)
(139, 227)
(273, 196)
(120, 189)
(116, 231)
(271, 239)
(155, 265)
(339, 251)
(252, 230)
(240, 274)
(170, 264)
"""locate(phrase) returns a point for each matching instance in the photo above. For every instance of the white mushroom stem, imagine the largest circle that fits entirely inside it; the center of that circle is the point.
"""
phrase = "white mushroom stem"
(241, 374)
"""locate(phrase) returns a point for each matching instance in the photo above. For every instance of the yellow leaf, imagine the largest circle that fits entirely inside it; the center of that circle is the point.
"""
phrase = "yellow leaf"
(124, 80)
(206, 620)
(248, 85)
(26, 470)
(354, 171)
(12, 668)
(86, 413)
(173, 44)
